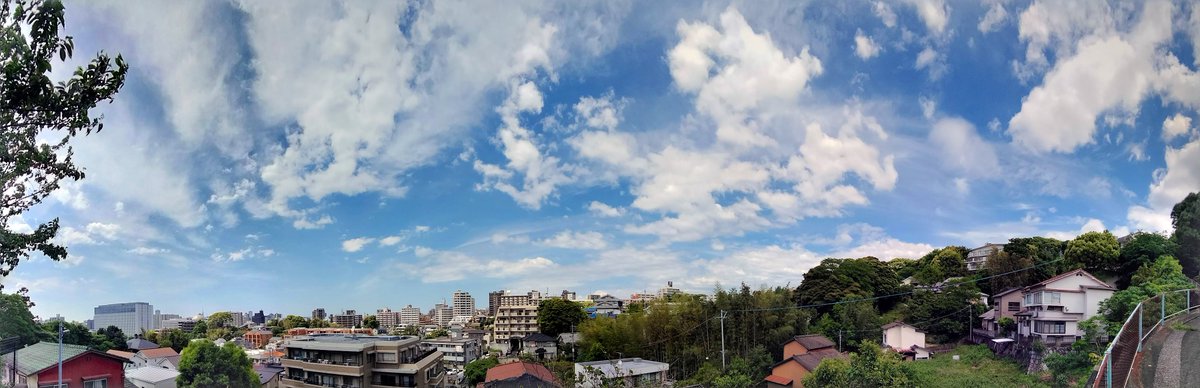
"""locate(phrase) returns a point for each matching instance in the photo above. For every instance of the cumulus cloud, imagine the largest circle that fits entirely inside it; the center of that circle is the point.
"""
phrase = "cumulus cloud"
(864, 47)
(390, 240)
(356, 244)
(1170, 185)
(92, 233)
(934, 13)
(995, 16)
(884, 13)
(446, 266)
(1176, 126)
(599, 112)
(540, 173)
(963, 149)
(603, 210)
(576, 240)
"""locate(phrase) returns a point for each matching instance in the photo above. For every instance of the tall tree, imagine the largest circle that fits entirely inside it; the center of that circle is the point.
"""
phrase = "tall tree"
(204, 365)
(1043, 252)
(371, 321)
(16, 320)
(220, 319)
(1006, 267)
(1094, 252)
(557, 316)
(174, 339)
(39, 117)
(293, 321)
(1141, 249)
(838, 279)
(1185, 217)
(113, 338)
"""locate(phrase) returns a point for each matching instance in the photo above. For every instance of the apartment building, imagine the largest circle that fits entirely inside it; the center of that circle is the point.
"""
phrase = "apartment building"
(348, 318)
(464, 304)
(442, 314)
(387, 318)
(456, 352)
(977, 258)
(132, 318)
(1052, 309)
(494, 302)
(360, 361)
(516, 317)
(318, 313)
(410, 316)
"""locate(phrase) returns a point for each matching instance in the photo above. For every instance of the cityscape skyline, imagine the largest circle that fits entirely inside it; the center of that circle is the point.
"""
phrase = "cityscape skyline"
(356, 161)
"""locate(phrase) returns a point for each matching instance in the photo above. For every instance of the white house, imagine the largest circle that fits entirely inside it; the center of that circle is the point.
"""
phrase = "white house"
(905, 339)
(151, 377)
(977, 258)
(630, 372)
(1051, 310)
(160, 358)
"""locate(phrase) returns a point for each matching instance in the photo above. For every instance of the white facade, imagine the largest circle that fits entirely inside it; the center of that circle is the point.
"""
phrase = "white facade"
(628, 372)
(1051, 310)
(456, 352)
(902, 336)
(410, 316)
(977, 258)
(131, 318)
(442, 314)
(464, 304)
(151, 377)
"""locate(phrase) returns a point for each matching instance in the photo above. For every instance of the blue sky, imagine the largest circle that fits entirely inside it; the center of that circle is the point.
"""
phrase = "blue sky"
(292, 155)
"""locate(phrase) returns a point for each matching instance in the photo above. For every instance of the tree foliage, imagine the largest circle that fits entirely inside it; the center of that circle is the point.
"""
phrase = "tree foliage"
(838, 279)
(1185, 217)
(174, 339)
(204, 365)
(371, 322)
(944, 315)
(1143, 248)
(556, 316)
(869, 367)
(110, 338)
(1042, 253)
(1095, 252)
(293, 321)
(16, 320)
(476, 371)
(1164, 274)
(1005, 267)
(220, 319)
(39, 118)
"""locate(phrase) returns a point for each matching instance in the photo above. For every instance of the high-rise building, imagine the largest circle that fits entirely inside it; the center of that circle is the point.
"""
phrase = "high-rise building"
(568, 295)
(387, 318)
(494, 302)
(410, 315)
(131, 318)
(348, 318)
(237, 319)
(91, 324)
(259, 318)
(464, 304)
(667, 292)
(442, 314)
(516, 317)
(318, 313)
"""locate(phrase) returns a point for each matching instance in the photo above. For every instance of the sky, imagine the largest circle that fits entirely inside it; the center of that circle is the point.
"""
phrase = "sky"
(290, 155)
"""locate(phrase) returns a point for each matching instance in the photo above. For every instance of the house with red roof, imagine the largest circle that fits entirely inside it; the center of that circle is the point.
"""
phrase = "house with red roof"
(37, 366)
(801, 356)
(1051, 310)
(520, 374)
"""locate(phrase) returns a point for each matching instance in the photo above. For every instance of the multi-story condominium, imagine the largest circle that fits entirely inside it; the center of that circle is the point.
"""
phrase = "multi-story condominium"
(319, 313)
(516, 318)
(238, 320)
(1052, 309)
(348, 318)
(977, 258)
(456, 352)
(668, 291)
(568, 295)
(410, 316)
(185, 324)
(387, 318)
(464, 304)
(131, 318)
(442, 314)
(259, 318)
(360, 361)
(494, 302)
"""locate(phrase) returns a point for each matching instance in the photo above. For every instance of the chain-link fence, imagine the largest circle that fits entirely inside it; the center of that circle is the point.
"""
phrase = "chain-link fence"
(1118, 360)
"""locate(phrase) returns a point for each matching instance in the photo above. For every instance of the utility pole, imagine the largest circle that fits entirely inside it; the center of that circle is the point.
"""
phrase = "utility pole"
(839, 340)
(723, 316)
(60, 339)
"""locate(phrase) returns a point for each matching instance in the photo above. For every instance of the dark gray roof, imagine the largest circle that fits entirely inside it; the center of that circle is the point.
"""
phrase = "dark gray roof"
(139, 344)
(813, 341)
(267, 372)
(538, 337)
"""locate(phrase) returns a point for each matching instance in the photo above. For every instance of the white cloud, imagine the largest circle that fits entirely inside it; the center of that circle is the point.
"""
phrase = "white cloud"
(756, 266)
(1058, 26)
(1092, 225)
(1170, 185)
(885, 13)
(928, 107)
(421, 251)
(887, 249)
(599, 113)
(541, 173)
(963, 149)
(1137, 151)
(864, 47)
(995, 16)
(390, 240)
(356, 244)
(446, 266)
(931, 60)
(1176, 126)
(306, 223)
(70, 194)
(147, 251)
(603, 210)
(576, 240)
(16, 224)
(934, 13)
(421, 228)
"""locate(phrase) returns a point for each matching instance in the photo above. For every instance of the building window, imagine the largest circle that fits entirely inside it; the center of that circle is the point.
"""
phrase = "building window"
(1014, 306)
(389, 358)
(101, 383)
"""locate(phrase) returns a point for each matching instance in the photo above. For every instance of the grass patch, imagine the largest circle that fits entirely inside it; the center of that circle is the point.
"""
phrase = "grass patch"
(1180, 326)
(976, 367)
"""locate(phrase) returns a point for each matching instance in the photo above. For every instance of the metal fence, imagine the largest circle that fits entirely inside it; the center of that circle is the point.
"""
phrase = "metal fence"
(1115, 368)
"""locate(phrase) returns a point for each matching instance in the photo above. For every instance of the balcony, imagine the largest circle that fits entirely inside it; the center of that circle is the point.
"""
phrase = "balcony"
(314, 382)
(326, 366)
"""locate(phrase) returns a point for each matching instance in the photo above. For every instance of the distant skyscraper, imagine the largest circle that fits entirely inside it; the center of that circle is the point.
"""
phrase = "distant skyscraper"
(318, 313)
(494, 302)
(131, 318)
(91, 324)
(464, 304)
(259, 318)
(442, 314)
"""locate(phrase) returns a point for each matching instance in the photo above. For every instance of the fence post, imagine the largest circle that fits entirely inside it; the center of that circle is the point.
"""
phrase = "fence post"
(1139, 341)
(1162, 311)
(1108, 369)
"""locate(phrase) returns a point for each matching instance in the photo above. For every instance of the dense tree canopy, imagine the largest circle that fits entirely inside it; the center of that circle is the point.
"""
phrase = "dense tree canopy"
(1005, 267)
(174, 339)
(1141, 249)
(204, 365)
(220, 319)
(1185, 217)
(1164, 274)
(371, 322)
(944, 315)
(556, 316)
(39, 118)
(16, 320)
(869, 367)
(476, 371)
(1042, 252)
(837, 279)
(1095, 252)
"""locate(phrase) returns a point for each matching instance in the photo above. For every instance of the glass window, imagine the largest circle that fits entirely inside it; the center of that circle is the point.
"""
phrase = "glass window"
(101, 383)
(385, 357)
(1014, 306)
(1055, 297)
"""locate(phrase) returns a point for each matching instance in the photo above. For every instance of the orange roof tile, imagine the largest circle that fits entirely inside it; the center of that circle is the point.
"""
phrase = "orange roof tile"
(777, 379)
(158, 353)
(518, 369)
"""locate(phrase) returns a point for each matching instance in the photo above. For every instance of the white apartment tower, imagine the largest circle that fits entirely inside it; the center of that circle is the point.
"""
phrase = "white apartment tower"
(464, 304)
(410, 316)
(442, 314)
(131, 317)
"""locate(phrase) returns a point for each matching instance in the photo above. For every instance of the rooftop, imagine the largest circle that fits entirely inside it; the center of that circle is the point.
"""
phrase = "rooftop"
(813, 341)
(151, 374)
(34, 358)
(514, 370)
(625, 366)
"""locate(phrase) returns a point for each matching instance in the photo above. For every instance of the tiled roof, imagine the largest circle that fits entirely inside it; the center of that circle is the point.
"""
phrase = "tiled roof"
(777, 379)
(1006, 292)
(813, 341)
(158, 353)
(34, 358)
(538, 337)
(266, 372)
(118, 353)
(1067, 274)
(811, 359)
(139, 344)
(514, 370)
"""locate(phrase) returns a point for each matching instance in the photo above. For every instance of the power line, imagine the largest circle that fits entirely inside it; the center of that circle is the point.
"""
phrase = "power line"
(874, 298)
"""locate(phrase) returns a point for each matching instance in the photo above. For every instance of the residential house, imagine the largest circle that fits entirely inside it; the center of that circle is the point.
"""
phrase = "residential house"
(630, 372)
(456, 352)
(542, 346)
(977, 258)
(127, 356)
(269, 375)
(140, 344)
(520, 375)
(151, 377)
(37, 366)
(1006, 303)
(608, 306)
(905, 339)
(1053, 308)
(801, 355)
(360, 360)
(160, 357)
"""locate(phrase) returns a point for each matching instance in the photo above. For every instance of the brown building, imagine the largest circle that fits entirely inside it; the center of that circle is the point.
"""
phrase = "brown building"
(1007, 303)
(360, 361)
(801, 356)
(258, 338)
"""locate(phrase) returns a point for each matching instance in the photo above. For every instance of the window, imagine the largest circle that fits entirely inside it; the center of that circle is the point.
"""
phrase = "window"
(1014, 306)
(101, 383)
(389, 358)
(1055, 297)
(1050, 327)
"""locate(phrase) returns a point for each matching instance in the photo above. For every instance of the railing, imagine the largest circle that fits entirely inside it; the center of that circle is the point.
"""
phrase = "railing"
(1115, 367)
